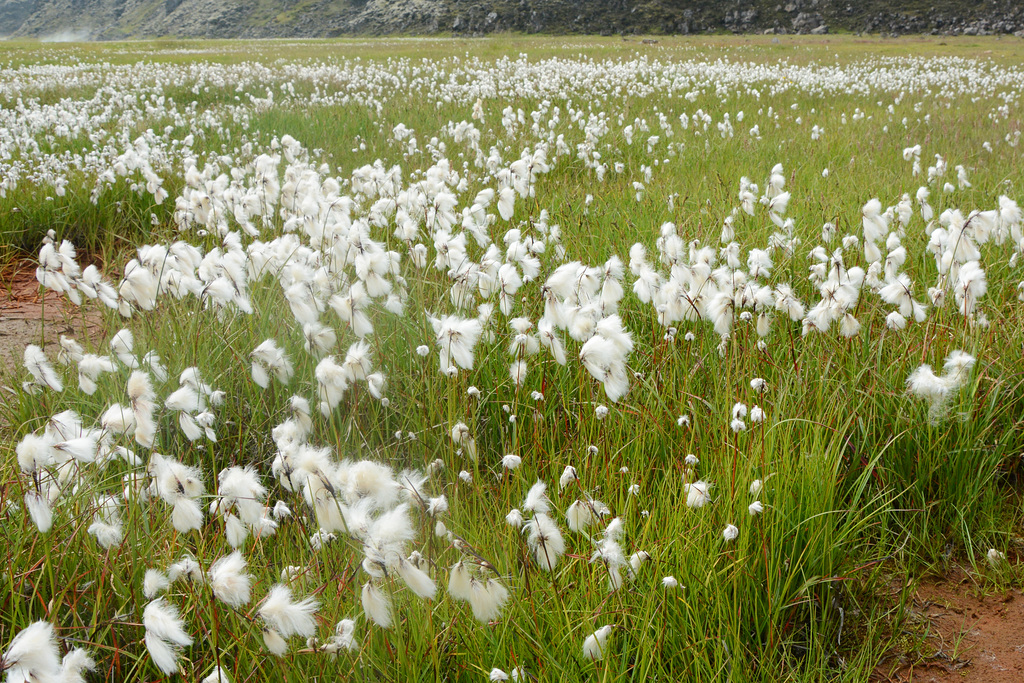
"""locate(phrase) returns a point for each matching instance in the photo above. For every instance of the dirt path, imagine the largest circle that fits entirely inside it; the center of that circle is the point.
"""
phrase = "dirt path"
(969, 637)
(26, 316)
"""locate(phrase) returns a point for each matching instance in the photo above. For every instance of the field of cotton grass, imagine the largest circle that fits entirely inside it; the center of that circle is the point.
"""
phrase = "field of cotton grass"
(530, 360)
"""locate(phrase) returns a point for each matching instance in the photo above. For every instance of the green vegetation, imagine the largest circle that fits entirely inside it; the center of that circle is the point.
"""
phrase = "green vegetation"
(862, 487)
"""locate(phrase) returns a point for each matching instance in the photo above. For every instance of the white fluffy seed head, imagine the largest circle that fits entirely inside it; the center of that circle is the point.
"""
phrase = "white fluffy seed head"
(286, 616)
(74, 664)
(32, 655)
(486, 599)
(275, 642)
(154, 582)
(545, 539)
(596, 643)
(376, 605)
(35, 452)
(537, 498)
(698, 494)
(418, 581)
(229, 580)
(162, 621)
(40, 511)
(163, 654)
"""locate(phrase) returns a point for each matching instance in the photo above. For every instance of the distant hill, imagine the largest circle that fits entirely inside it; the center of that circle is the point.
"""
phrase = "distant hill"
(115, 19)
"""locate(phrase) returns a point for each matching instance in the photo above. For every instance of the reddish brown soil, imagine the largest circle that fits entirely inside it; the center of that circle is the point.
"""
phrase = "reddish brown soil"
(25, 314)
(969, 636)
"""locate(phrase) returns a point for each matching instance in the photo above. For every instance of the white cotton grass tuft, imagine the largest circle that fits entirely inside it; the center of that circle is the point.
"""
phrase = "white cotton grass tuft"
(376, 605)
(461, 436)
(240, 489)
(229, 581)
(154, 582)
(456, 338)
(162, 620)
(107, 525)
(186, 569)
(608, 551)
(40, 511)
(35, 452)
(583, 513)
(275, 642)
(995, 558)
(569, 475)
(344, 637)
(958, 366)
(217, 675)
(604, 356)
(289, 618)
(281, 510)
(122, 345)
(268, 358)
(939, 390)
(179, 486)
(90, 367)
(32, 655)
(698, 494)
(517, 372)
(487, 598)
(460, 581)
(142, 401)
(545, 540)
(418, 581)
(74, 665)
(514, 518)
(165, 635)
(511, 461)
(43, 374)
(596, 644)
(537, 498)
(637, 560)
(234, 530)
(186, 515)
(118, 419)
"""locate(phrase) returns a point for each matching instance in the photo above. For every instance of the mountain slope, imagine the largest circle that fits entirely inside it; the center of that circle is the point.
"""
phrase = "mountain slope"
(112, 19)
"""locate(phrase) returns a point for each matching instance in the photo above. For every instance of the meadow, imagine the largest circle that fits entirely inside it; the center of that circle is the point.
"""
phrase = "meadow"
(530, 359)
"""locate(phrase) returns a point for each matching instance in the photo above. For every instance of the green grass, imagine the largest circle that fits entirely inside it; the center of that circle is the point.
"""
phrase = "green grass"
(860, 490)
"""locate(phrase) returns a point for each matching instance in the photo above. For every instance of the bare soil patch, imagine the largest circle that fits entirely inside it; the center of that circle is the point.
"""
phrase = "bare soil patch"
(969, 636)
(27, 315)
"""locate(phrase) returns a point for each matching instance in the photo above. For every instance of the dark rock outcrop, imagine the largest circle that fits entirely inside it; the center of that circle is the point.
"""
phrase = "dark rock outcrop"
(112, 19)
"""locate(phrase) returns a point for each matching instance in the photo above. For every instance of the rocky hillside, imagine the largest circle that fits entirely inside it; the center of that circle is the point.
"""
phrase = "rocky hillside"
(113, 19)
